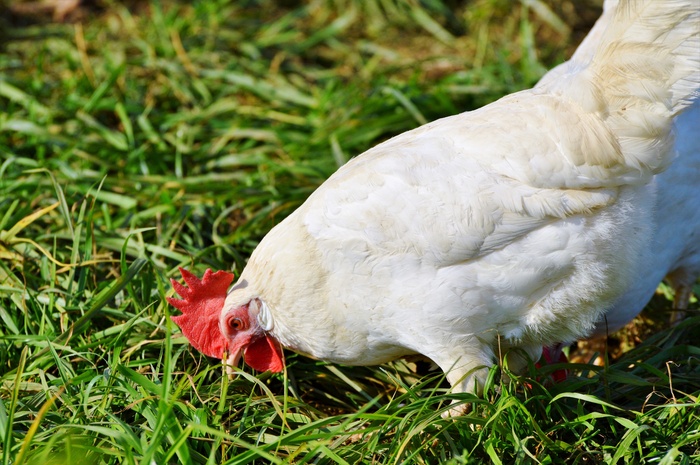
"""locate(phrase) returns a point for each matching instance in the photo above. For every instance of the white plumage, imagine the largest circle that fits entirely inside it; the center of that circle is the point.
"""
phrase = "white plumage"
(674, 251)
(675, 246)
(515, 225)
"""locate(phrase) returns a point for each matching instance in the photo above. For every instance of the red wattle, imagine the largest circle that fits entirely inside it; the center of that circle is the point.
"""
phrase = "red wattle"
(264, 354)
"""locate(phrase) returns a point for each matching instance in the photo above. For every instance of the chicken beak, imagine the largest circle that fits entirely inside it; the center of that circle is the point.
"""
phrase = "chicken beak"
(232, 363)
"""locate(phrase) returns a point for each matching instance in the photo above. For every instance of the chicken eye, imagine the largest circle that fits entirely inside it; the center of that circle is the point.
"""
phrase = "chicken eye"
(236, 324)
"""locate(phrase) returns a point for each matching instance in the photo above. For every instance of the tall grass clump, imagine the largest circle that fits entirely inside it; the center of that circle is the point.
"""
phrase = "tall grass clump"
(137, 137)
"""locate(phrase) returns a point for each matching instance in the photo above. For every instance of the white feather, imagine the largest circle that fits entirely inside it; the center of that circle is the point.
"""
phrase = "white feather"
(675, 246)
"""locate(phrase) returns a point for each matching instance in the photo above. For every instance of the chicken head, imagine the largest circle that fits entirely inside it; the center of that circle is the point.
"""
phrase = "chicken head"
(236, 332)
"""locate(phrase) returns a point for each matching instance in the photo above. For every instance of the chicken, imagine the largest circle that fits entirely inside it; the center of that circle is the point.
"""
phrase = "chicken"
(512, 226)
(675, 245)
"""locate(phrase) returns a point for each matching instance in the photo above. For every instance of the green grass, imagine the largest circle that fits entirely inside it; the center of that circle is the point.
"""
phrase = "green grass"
(153, 135)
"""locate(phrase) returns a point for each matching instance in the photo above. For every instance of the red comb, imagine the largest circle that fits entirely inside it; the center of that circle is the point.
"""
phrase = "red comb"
(201, 305)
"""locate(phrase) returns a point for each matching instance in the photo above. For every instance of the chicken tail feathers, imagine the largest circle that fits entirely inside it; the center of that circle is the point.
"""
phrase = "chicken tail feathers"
(640, 70)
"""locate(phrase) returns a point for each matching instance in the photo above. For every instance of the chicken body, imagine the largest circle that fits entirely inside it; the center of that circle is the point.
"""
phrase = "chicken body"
(363, 275)
(515, 225)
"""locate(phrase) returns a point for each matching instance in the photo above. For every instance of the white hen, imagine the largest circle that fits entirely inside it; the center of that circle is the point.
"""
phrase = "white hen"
(675, 247)
(515, 225)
